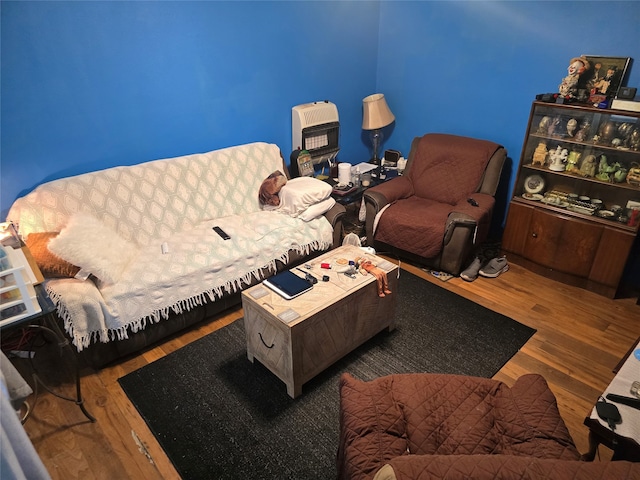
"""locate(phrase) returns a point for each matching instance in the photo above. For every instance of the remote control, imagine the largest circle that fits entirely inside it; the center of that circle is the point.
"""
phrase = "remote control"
(222, 233)
(629, 401)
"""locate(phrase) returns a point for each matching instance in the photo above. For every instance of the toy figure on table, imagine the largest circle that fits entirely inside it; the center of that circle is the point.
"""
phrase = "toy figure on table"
(366, 266)
(570, 84)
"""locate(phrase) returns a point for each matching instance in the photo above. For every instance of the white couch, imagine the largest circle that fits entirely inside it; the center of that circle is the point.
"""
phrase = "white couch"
(145, 234)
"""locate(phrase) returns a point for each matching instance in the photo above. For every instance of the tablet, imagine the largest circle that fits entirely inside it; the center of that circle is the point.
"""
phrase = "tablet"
(288, 284)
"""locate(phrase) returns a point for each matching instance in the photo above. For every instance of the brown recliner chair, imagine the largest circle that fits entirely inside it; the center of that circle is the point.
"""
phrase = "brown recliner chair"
(421, 426)
(441, 208)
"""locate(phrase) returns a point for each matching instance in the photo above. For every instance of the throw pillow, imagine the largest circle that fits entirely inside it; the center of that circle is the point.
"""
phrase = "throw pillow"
(268, 194)
(302, 192)
(94, 247)
(50, 265)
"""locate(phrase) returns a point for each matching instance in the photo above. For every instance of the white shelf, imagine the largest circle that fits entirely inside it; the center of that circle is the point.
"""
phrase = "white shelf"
(16, 290)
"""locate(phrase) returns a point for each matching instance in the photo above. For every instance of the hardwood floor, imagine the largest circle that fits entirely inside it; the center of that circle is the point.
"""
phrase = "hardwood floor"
(580, 338)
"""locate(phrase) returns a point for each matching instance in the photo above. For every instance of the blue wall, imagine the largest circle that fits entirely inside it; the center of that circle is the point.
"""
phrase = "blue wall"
(473, 68)
(88, 85)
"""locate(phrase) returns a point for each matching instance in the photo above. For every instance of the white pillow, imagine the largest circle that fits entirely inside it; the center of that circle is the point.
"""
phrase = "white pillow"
(317, 209)
(300, 193)
(92, 246)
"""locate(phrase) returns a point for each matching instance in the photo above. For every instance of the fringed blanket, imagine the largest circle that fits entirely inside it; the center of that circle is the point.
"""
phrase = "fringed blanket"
(199, 266)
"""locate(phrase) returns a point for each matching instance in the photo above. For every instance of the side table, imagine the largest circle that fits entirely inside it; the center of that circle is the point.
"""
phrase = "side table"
(625, 441)
(352, 202)
(45, 323)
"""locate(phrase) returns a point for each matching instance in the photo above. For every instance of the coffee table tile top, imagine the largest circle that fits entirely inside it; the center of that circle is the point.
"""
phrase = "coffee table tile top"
(322, 294)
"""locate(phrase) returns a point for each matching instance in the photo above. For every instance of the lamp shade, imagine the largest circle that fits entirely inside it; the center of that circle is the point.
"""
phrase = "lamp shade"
(376, 112)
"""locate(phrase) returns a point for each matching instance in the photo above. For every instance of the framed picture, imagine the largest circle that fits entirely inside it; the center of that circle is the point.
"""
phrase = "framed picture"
(607, 74)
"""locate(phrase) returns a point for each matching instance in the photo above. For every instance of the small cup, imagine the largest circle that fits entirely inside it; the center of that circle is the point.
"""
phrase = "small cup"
(597, 203)
(402, 163)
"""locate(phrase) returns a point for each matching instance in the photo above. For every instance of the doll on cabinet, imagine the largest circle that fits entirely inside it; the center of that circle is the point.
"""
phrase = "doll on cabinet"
(571, 83)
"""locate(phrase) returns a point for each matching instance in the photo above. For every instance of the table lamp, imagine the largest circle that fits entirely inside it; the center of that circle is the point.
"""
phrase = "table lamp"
(376, 116)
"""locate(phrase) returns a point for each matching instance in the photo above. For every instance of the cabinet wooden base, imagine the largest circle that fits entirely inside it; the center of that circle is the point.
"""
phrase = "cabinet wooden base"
(574, 251)
(568, 279)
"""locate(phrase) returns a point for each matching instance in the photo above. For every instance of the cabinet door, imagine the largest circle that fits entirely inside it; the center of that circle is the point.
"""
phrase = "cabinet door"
(562, 243)
(611, 258)
(516, 230)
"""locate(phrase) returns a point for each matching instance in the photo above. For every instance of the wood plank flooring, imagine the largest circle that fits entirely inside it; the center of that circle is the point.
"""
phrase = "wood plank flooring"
(580, 338)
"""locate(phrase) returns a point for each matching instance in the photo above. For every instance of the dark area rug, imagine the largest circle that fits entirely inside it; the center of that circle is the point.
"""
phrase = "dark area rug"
(219, 416)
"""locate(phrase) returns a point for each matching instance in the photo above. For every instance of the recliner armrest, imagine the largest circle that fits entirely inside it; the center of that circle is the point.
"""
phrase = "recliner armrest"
(374, 202)
(376, 198)
(465, 215)
(392, 190)
(491, 466)
(466, 225)
(335, 215)
(493, 172)
(455, 220)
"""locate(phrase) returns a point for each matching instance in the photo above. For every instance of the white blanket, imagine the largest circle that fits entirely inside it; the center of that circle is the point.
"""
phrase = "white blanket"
(171, 200)
(199, 266)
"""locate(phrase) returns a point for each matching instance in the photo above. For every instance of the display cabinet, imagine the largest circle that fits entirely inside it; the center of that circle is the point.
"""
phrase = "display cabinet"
(575, 208)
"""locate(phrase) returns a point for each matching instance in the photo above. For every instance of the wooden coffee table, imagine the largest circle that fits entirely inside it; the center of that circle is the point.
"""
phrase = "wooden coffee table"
(299, 338)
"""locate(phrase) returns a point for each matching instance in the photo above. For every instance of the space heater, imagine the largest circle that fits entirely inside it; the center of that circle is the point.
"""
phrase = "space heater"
(316, 128)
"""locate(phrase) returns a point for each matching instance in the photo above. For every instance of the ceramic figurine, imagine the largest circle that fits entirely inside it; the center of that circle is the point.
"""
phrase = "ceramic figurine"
(588, 167)
(583, 133)
(558, 159)
(633, 176)
(540, 154)
(572, 124)
(634, 139)
(572, 162)
(607, 131)
(624, 131)
(544, 124)
(553, 124)
(602, 167)
(606, 172)
(620, 175)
